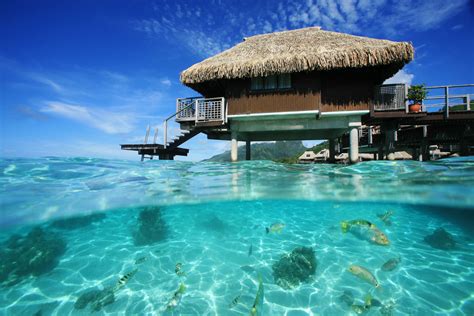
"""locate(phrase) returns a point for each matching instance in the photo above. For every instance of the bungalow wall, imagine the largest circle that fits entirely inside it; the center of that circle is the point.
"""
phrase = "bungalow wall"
(304, 95)
(345, 90)
(327, 91)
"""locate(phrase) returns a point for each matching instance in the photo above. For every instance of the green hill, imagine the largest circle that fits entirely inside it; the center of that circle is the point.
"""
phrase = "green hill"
(280, 151)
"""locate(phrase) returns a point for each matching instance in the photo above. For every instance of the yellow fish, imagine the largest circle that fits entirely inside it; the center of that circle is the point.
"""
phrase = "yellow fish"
(366, 228)
(275, 227)
(258, 303)
(176, 299)
(364, 274)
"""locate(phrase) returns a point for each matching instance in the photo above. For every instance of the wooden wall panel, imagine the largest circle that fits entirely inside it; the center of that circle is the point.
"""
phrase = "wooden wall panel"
(346, 90)
(337, 90)
(304, 96)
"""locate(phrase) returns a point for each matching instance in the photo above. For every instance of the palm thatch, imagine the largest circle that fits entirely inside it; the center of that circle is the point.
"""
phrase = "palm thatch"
(299, 50)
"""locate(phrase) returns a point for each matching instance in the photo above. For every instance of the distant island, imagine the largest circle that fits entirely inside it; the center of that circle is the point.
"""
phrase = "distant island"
(279, 151)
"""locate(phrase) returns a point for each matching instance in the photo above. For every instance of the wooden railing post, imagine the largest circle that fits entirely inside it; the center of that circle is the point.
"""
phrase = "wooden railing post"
(407, 110)
(446, 101)
(196, 105)
(165, 133)
(369, 136)
(156, 135)
(147, 133)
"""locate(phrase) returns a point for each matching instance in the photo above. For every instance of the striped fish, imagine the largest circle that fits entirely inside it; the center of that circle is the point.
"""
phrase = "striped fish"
(123, 280)
(235, 301)
(140, 260)
(177, 269)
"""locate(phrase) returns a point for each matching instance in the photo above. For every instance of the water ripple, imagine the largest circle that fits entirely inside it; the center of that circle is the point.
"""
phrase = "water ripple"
(33, 190)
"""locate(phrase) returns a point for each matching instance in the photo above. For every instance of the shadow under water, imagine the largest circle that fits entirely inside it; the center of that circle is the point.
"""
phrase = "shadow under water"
(32, 255)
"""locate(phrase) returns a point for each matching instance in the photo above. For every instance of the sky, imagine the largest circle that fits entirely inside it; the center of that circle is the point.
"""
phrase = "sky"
(78, 78)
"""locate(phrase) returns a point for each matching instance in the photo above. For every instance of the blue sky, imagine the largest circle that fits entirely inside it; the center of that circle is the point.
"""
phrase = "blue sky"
(80, 77)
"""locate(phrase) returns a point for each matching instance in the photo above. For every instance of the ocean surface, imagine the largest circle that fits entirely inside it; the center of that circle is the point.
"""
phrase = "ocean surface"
(108, 237)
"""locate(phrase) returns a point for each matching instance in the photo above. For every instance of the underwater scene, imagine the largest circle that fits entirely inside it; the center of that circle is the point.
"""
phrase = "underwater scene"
(108, 237)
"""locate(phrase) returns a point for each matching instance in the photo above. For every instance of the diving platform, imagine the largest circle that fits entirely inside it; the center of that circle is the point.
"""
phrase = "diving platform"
(159, 150)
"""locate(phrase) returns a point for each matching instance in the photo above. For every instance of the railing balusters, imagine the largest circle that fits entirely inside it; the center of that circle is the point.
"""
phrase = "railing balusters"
(147, 133)
(386, 98)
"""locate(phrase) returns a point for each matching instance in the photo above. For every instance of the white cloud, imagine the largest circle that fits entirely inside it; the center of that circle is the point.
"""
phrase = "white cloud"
(46, 81)
(226, 25)
(111, 122)
(401, 77)
(165, 82)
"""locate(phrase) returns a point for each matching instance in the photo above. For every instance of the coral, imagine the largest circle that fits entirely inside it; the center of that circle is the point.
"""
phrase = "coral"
(97, 299)
(151, 227)
(77, 221)
(34, 254)
(441, 239)
(295, 267)
(215, 223)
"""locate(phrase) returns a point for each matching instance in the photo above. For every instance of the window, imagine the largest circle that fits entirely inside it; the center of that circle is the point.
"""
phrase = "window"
(270, 83)
(257, 83)
(282, 81)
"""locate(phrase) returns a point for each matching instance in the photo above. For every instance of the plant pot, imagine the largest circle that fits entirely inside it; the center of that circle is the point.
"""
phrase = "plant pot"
(414, 108)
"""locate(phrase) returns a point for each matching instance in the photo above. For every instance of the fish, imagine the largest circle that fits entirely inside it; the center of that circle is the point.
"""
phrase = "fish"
(385, 217)
(275, 227)
(177, 269)
(176, 299)
(366, 229)
(368, 301)
(250, 250)
(248, 269)
(257, 306)
(387, 309)
(235, 301)
(124, 280)
(391, 264)
(347, 297)
(358, 309)
(364, 274)
(140, 260)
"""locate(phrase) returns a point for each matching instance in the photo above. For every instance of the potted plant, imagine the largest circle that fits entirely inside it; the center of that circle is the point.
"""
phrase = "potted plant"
(416, 94)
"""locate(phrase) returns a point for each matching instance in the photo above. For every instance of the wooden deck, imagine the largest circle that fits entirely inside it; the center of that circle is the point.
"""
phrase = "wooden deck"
(379, 117)
(156, 150)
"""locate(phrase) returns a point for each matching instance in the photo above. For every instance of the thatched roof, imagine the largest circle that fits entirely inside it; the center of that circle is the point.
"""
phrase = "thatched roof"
(299, 50)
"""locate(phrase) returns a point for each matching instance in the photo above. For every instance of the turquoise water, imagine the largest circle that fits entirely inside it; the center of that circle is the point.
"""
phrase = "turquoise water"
(207, 216)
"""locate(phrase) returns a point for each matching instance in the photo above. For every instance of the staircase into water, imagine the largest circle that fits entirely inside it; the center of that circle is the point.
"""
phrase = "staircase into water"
(195, 115)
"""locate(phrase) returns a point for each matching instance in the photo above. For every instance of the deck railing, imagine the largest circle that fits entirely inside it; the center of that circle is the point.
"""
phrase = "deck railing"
(392, 97)
(200, 109)
(459, 100)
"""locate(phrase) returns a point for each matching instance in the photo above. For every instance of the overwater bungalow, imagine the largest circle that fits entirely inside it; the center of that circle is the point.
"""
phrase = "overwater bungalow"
(302, 84)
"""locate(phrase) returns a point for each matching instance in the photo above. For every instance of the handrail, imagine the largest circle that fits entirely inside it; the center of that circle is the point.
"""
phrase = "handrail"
(193, 102)
(452, 86)
(446, 96)
(460, 96)
(165, 123)
(185, 108)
